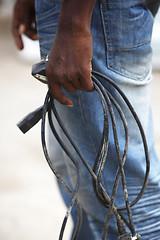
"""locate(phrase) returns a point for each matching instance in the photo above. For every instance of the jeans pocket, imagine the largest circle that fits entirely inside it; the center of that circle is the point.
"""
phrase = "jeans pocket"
(128, 28)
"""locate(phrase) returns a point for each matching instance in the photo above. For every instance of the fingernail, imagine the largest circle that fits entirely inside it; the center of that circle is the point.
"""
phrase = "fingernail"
(22, 28)
(70, 105)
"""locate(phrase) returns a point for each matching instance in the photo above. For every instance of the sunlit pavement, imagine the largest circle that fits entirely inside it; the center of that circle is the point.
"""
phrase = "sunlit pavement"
(30, 204)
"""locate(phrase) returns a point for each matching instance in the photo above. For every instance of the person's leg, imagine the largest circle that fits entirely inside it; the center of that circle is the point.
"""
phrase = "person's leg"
(121, 51)
(47, 13)
(58, 160)
(47, 24)
(127, 28)
(125, 57)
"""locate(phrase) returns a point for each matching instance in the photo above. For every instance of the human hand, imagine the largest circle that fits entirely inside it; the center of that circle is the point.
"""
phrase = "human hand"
(69, 64)
(24, 21)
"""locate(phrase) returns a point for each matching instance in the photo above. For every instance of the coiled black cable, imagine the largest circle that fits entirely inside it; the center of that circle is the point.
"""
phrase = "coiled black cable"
(96, 173)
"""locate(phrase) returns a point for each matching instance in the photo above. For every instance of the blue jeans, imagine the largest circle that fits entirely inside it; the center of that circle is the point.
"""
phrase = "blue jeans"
(121, 31)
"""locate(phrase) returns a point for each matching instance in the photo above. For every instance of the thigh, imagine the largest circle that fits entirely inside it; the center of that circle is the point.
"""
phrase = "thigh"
(47, 12)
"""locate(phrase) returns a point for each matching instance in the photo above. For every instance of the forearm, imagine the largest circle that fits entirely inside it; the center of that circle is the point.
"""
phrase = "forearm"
(76, 15)
(69, 64)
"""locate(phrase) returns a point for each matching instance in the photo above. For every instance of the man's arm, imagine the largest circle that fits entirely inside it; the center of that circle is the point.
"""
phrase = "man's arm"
(70, 57)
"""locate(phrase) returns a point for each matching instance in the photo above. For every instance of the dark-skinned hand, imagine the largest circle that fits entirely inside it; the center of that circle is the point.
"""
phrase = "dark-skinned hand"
(69, 64)
(24, 21)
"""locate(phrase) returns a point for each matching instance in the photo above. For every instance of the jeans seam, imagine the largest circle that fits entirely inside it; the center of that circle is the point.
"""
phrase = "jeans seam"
(89, 133)
(85, 122)
(104, 34)
(144, 24)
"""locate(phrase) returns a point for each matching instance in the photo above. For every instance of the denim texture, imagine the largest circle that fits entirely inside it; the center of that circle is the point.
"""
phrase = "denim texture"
(121, 31)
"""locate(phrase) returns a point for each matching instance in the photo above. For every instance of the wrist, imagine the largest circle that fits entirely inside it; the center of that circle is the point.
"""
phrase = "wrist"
(75, 16)
(73, 25)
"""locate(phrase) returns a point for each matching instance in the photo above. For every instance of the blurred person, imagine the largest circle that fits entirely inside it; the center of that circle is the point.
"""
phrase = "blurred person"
(112, 37)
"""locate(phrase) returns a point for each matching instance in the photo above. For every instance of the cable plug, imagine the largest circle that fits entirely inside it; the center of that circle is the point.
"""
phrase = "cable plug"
(30, 120)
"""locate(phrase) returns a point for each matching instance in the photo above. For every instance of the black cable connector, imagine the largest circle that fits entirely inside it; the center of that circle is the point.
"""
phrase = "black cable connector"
(30, 120)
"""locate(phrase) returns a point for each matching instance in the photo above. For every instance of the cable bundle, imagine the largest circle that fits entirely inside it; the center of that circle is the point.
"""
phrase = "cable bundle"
(108, 102)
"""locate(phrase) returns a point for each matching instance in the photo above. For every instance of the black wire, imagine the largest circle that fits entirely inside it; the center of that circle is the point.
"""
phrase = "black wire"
(60, 179)
(107, 199)
(120, 165)
(102, 153)
(119, 157)
(106, 100)
(144, 141)
(77, 150)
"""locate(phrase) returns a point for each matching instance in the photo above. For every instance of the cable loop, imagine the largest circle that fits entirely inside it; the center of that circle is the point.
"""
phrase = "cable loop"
(96, 173)
(109, 104)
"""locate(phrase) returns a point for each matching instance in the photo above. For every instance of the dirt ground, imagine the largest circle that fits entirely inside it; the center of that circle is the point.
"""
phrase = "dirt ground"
(30, 204)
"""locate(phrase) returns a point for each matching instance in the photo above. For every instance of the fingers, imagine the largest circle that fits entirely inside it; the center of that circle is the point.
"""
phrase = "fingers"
(56, 91)
(23, 23)
(71, 84)
(30, 29)
(79, 79)
(86, 80)
(17, 29)
(22, 29)
(29, 32)
(32, 34)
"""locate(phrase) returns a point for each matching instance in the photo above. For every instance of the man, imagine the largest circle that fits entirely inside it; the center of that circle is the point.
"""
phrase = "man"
(112, 37)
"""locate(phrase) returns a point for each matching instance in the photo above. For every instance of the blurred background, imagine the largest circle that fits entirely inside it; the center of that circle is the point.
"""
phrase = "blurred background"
(30, 204)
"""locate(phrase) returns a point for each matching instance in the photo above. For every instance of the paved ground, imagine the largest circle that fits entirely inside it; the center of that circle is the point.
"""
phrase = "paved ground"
(30, 205)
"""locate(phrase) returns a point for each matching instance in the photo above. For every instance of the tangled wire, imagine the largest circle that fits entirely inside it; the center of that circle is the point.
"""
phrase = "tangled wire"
(107, 201)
